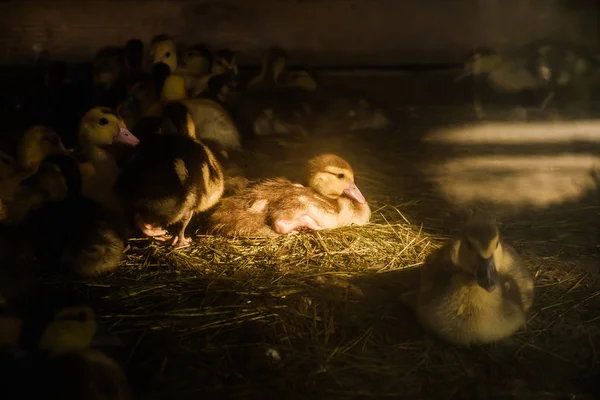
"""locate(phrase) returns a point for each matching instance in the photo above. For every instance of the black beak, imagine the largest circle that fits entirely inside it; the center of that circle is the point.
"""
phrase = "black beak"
(487, 276)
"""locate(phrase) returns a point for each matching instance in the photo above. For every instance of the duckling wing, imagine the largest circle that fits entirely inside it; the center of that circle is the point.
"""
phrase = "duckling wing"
(519, 283)
(163, 174)
(250, 212)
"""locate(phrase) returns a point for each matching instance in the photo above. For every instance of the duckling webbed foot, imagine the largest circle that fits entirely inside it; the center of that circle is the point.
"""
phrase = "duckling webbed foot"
(180, 240)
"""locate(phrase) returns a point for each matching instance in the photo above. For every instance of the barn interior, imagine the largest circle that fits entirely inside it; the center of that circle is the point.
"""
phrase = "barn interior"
(402, 92)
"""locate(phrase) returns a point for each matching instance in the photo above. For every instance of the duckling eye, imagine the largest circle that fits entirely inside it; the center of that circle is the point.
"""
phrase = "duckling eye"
(168, 54)
(103, 121)
(340, 176)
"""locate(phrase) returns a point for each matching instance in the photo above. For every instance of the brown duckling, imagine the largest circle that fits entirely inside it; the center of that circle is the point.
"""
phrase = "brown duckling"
(171, 177)
(273, 74)
(278, 206)
(475, 289)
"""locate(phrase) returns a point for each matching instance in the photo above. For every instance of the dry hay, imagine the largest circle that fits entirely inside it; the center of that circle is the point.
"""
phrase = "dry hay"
(318, 315)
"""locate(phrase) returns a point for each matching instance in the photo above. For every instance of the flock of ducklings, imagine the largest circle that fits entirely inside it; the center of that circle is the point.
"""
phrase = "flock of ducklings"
(72, 210)
(538, 75)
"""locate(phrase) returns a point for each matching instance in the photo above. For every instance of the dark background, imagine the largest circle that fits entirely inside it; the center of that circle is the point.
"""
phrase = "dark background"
(319, 32)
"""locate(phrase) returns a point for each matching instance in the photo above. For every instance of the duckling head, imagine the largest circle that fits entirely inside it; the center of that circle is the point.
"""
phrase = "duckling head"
(480, 61)
(198, 60)
(480, 251)
(101, 127)
(72, 328)
(224, 62)
(163, 49)
(37, 143)
(108, 67)
(332, 177)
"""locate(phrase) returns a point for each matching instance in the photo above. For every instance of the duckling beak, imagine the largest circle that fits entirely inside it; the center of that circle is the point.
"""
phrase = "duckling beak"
(487, 276)
(125, 137)
(354, 193)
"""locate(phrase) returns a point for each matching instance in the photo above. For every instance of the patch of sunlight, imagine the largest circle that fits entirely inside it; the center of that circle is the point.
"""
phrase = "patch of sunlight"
(518, 133)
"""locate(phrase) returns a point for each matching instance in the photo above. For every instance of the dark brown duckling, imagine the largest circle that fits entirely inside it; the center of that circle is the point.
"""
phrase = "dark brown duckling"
(171, 177)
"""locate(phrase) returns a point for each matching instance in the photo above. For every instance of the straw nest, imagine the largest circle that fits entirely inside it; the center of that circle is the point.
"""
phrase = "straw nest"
(319, 315)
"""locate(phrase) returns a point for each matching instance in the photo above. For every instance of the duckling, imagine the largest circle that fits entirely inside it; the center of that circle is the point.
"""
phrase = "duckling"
(198, 60)
(57, 177)
(273, 73)
(212, 121)
(110, 76)
(71, 368)
(171, 177)
(278, 206)
(220, 88)
(164, 50)
(134, 59)
(505, 76)
(101, 130)
(223, 63)
(475, 289)
(144, 98)
(37, 143)
(572, 72)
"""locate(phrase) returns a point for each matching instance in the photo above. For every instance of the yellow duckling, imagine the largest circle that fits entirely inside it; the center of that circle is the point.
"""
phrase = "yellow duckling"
(506, 76)
(73, 370)
(99, 131)
(37, 143)
(278, 206)
(475, 289)
(211, 119)
(273, 73)
(171, 177)
(198, 60)
(164, 50)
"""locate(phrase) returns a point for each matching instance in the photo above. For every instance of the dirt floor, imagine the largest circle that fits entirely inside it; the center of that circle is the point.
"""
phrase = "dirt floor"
(343, 333)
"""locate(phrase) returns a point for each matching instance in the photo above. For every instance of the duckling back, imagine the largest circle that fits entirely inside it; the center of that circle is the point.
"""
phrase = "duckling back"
(248, 213)
(453, 305)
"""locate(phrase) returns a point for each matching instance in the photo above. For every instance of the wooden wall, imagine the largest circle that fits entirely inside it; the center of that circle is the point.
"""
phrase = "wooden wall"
(325, 32)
